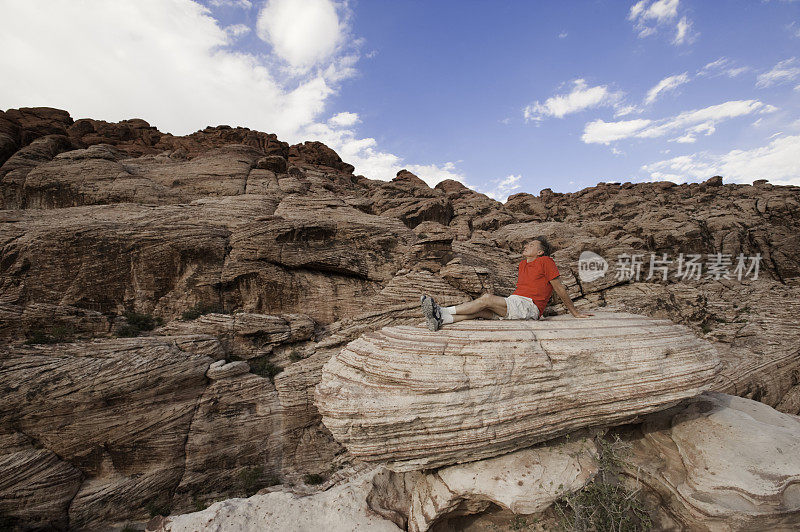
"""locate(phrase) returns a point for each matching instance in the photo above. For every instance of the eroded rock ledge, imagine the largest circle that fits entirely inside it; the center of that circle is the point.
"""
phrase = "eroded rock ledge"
(473, 390)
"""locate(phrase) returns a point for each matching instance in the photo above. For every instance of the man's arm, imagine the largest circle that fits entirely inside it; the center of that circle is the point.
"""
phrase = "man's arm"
(562, 293)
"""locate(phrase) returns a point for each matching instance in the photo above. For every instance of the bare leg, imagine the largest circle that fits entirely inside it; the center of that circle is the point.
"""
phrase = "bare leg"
(494, 303)
(485, 314)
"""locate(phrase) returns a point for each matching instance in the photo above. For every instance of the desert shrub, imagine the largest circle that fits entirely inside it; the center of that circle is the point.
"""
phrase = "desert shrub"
(198, 310)
(313, 479)
(295, 355)
(143, 322)
(264, 367)
(250, 479)
(56, 334)
(605, 503)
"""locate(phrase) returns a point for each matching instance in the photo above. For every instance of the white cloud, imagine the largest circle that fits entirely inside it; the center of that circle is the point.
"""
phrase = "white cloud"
(602, 132)
(368, 159)
(201, 80)
(580, 98)
(237, 30)
(344, 119)
(501, 189)
(667, 84)
(785, 71)
(303, 33)
(683, 32)
(779, 162)
(243, 4)
(721, 67)
(563, 35)
(648, 17)
(624, 110)
(689, 122)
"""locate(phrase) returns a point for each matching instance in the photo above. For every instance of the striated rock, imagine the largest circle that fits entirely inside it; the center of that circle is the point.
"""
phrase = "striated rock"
(525, 482)
(223, 370)
(235, 444)
(417, 399)
(721, 463)
(36, 486)
(340, 509)
(116, 410)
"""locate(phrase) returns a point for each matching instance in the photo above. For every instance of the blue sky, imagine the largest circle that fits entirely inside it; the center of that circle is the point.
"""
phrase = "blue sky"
(504, 96)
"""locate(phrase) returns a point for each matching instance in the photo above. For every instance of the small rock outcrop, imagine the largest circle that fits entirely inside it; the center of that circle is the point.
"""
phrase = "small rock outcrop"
(473, 390)
(722, 462)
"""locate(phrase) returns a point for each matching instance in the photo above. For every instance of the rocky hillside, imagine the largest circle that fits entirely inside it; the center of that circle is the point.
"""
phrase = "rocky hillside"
(167, 303)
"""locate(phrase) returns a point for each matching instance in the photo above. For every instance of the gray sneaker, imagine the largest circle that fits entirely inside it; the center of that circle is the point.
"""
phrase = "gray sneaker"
(432, 312)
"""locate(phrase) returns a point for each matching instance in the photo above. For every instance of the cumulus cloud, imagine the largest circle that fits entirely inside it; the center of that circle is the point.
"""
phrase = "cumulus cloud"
(303, 33)
(580, 98)
(721, 67)
(368, 159)
(783, 72)
(649, 16)
(602, 132)
(501, 189)
(778, 161)
(237, 30)
(667, 84)
(689, 123)
(243, 4)
(106, 56)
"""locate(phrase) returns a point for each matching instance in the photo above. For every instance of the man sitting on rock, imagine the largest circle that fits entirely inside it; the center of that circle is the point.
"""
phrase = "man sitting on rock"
(538, 276)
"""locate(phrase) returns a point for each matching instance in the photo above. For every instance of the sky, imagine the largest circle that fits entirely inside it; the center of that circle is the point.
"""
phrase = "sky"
(503, 96)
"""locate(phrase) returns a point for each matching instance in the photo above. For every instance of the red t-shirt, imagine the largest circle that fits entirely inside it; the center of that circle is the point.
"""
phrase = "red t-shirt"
(533, 280)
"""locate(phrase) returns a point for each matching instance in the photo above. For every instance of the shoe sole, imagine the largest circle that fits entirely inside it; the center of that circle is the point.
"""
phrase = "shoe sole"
(427, 310)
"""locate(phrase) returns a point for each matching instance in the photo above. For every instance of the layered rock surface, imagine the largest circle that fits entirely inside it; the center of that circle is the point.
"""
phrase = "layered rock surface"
(721, 462)
(476, 389)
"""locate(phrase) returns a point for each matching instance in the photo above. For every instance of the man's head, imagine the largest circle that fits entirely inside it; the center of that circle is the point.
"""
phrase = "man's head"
(536, 247)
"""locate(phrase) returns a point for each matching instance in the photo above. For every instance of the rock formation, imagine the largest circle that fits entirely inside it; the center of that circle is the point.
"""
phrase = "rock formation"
(713, 462)
(246, 250)
(721, 462)
(476, 389)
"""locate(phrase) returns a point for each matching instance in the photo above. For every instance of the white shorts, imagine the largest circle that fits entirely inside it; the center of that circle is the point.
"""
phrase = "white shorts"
(520, 308)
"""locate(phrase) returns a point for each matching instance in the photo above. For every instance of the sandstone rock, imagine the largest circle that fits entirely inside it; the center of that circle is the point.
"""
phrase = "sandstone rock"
(340, 509)
(416, 399)
(722, 463)
(116, 410)
(235, 444)
(526, 482)
(36, 486)
(223, 370)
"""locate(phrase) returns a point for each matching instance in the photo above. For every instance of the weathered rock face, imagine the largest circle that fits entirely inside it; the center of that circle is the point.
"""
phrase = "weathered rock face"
(476, 389)
(525, 482)
(722, 463)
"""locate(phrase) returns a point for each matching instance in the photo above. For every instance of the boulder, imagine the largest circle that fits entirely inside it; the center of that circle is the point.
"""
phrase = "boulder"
(416, 399)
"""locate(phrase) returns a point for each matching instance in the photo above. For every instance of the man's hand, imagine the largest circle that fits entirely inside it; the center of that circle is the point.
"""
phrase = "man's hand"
(559, 289)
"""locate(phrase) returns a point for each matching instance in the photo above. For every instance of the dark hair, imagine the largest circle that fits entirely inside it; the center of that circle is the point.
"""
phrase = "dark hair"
(546, 247)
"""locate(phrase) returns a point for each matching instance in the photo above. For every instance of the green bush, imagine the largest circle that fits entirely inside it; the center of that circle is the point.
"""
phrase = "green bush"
(264, 367)
(295, 355)
(138, 323)
(143, 322)
(605, 503)
(57, 333)
(250, 479)
(312, 479)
